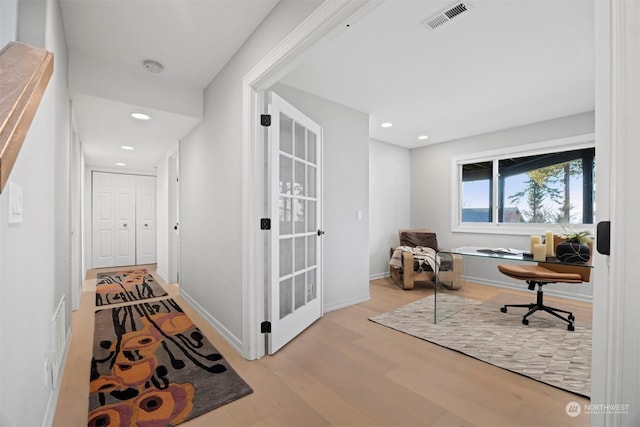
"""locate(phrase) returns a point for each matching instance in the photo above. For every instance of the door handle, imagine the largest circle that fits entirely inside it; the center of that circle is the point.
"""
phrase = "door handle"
(146, 225)
(124, 225)
(603, 237)
(320, 232)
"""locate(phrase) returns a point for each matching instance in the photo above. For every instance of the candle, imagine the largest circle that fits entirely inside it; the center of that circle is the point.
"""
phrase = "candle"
(534, 240)
(540, 252)
(548, 240)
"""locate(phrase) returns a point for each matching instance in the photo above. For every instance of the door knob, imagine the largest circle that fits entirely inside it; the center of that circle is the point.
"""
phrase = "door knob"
(124, 225)
(146, 225)
(320, 232)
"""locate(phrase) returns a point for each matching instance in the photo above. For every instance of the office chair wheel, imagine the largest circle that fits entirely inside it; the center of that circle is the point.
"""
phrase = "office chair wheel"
(571, 327)
(503, 309)
(571, 317)
(525, 322)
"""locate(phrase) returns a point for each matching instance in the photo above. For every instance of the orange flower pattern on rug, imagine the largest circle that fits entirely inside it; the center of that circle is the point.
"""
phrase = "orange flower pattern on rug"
(152, 366)
(126, 286)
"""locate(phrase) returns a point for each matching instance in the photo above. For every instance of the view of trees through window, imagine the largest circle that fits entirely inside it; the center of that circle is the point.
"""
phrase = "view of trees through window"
(544, 188)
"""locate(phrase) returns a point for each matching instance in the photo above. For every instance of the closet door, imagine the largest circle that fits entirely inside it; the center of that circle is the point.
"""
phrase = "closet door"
(113, 212)
(146, 220)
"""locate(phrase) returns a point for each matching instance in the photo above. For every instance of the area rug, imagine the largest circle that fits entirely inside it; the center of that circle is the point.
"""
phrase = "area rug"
(126, 286)
(152, 366)
(544, 350)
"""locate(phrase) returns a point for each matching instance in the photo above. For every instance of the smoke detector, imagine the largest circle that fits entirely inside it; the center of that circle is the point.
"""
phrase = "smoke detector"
(446, 15)
(152, 66)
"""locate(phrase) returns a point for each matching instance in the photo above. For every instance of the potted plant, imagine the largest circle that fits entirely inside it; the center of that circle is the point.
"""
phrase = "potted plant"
(575, 248)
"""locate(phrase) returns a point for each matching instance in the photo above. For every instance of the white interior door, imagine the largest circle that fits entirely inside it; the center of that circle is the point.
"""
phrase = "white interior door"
(145, 220)
(113, 211)
(296, 250)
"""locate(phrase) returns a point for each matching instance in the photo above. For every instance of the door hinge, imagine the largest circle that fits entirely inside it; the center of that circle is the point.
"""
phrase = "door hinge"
(265, 223)
(265, 120)
(265, 327)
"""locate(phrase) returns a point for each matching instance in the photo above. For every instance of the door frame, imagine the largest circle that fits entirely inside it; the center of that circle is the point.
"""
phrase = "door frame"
(615, 341)
(88, 209)
(328, 20)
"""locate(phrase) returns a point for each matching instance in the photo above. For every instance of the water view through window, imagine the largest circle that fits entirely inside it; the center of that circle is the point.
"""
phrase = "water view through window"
(545, 188)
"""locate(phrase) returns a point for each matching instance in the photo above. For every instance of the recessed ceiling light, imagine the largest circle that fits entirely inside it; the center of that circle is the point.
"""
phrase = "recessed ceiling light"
(140, 116)
(127, 147)
(121, 164)
(386, 125)
(423, 137)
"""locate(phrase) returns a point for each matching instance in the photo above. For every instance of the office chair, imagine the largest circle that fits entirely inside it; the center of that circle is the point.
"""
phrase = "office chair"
(542, 274)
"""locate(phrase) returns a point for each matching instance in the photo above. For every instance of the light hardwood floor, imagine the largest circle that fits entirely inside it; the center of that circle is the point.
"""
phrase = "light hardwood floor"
(347, 370)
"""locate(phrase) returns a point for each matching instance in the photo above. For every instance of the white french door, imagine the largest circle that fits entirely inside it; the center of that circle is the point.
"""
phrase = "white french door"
(146, 219)
(123, 219)
(296, 236)
(114, 228)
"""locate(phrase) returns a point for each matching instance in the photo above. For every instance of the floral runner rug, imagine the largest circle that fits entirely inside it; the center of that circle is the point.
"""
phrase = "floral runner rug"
(544, 350)
(126, 286)
(152, 366)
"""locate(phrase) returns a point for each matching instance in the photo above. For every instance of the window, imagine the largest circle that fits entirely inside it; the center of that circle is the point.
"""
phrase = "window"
(544, 183)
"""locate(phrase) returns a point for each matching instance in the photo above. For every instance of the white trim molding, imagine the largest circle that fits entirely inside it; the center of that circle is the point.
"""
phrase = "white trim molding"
(616, 342)
(325, 22)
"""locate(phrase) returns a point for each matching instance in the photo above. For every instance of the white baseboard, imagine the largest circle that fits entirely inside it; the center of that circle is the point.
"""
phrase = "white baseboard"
(379, 275)
(346, 303)
(551, 292)
(164, 276)
(52, 402)
(235, 342)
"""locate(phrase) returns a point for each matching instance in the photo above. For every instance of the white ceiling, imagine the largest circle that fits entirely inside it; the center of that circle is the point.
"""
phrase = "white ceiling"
(503, 64)
(108, 41)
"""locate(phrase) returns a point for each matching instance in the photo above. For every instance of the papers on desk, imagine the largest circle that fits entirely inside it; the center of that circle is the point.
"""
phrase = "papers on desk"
(501, 251)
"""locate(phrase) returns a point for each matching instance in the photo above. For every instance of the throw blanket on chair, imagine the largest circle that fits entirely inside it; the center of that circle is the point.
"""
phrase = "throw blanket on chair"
(421, 253)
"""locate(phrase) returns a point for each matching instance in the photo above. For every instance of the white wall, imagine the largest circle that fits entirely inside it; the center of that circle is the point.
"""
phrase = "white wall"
(34, 261)
(430, 207)
(345, 191)
(8, 21)
(211, 182)
(389, 201)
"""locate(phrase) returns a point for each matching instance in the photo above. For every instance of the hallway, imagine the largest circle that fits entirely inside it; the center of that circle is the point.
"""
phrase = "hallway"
(346, 370)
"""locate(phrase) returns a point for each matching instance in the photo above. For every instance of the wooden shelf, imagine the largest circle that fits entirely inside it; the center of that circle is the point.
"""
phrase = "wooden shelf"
(24, 74)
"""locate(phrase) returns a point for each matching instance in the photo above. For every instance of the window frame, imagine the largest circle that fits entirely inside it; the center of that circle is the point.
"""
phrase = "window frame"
(559, 145)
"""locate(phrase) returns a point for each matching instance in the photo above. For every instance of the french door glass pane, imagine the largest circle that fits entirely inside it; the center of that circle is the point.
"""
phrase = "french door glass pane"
(286, 256)
(286, 137)
(311, 181)
(311, 147)
(300, 141)
(285, 215)
(286, 297)
(311, 284)
(299, 215)
(311, 250)
(300, 253)
(299, 291)
(300, 188)
(311, 216)
(286, 175)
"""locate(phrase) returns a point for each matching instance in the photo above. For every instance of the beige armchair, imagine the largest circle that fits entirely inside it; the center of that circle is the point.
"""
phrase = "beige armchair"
(410, 270)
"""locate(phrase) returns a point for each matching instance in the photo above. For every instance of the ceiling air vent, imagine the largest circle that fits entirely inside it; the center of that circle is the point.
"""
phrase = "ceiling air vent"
(446, 15)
